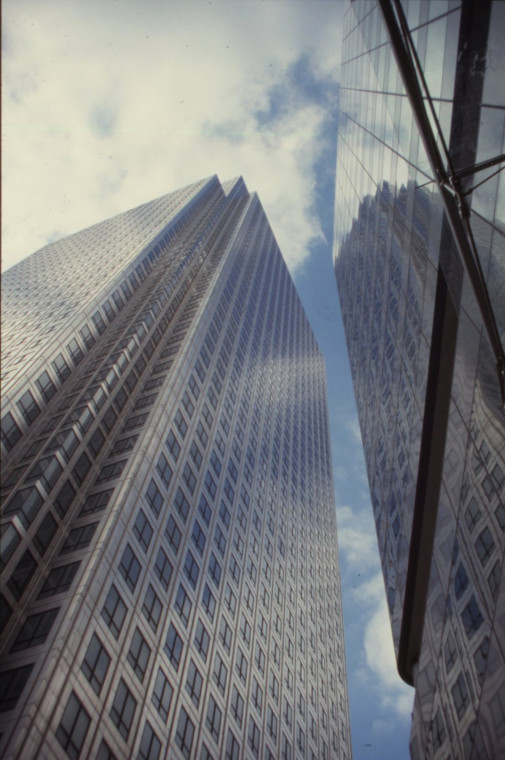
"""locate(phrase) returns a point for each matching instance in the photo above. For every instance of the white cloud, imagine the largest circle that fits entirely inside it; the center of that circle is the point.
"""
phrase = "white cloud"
(379, 649)
(354, 428)
(357, 539)
(107, 105)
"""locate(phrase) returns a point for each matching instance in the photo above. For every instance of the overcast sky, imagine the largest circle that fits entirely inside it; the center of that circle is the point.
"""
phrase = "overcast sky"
(110, 103)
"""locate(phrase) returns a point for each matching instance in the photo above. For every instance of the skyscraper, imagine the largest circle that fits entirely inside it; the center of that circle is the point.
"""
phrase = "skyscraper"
(170, 582)
(420, 267)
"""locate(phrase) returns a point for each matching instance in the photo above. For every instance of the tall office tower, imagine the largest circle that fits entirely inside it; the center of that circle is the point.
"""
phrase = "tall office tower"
(420, 267)
(170, 575)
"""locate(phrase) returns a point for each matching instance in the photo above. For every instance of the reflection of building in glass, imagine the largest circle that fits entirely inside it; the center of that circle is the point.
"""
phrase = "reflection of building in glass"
(170, 576)
(414, 225)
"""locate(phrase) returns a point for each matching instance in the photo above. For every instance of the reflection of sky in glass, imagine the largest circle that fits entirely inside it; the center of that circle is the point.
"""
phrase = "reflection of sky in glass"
(389, 237)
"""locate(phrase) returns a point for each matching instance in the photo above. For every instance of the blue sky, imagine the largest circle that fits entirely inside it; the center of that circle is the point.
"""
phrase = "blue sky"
(109, 104)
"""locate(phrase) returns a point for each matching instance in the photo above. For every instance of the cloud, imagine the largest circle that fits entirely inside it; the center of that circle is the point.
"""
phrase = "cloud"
(379, 650)
(357, 539)
(381, 659)
(376, 669)
(107, 105)
(355, 430)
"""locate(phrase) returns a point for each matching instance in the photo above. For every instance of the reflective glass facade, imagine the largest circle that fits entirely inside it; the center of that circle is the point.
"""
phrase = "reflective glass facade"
(421, 343)
(170, 582)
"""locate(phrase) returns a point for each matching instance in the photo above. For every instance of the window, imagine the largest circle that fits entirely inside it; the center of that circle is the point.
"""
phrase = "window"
(95, 664)
(230, 600)
(484, 546)
(202, 434)
(257, 695)
(83, 466)
(259, 658)
(472, 618)
(59, 580)
(187, 404)
(164, 470)
(71, 732)
(47, 470)
(96, 502)
(75, 351)
(286, 748)
(97, 441)
(154, 498)
(274, 686)
(216, 463)
(97, 320)
(123, 709)
(210, 484)
(219, 674)
(460, 581)
(114, 611)
(46, 386)
(181, 504)
(152, 608)
(272, 724)
(234, 569)
(162, 694)
(87, 336)
(22, 574)
(111, 471)
(196, 455)
(12, 683)
(232, 747)
(225, 635)
(214, 569)
(198, 537)
(180, 423)
(205, 510)
(237, 706)
(28, 407)
(200, 370)
(129, 567)
(212, 397)
(472, 514)
(183, 605)
(202, 640)
(193, 385)
(173, 647)
(238, 542)
(173, 534)
(191, 569)
(104, 752)
(10, 432)
(232, 470)
(253, 737)
(241, 665)
(61, 368)
(143, 530)
(213, 721)
(194, 683)
(150, 745)
(163, 569)
(189, 478)
(245, 629)
(208, 602)
(224, 514)
(184, 734)
(173, 445)
(79, 538)
(138, 655)
(460, 695)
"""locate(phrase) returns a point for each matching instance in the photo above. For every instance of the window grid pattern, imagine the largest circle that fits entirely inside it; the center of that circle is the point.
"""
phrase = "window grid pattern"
(206, 539)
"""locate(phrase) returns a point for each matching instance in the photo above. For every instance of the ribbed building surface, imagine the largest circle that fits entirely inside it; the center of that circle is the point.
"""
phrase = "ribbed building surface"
(419, 208)
(170, 582)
